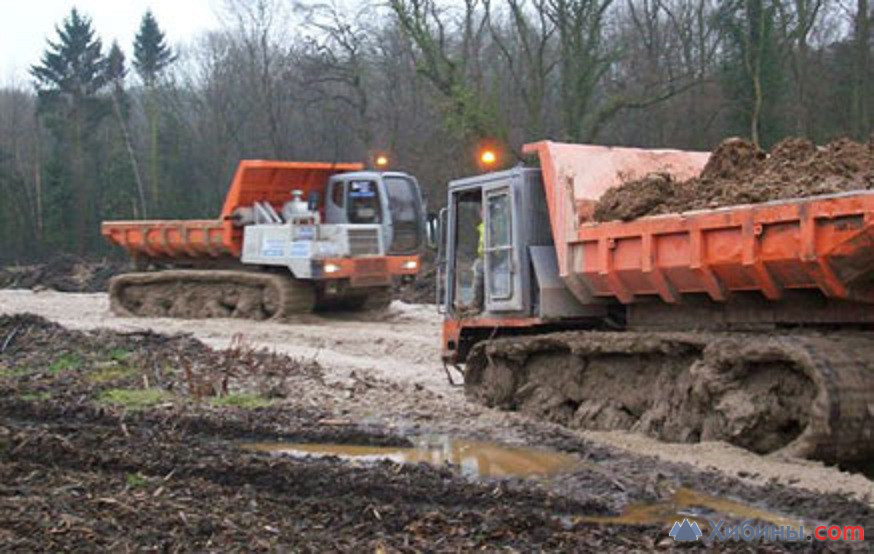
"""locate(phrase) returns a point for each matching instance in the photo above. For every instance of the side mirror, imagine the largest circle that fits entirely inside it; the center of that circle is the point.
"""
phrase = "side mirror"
(432, 230)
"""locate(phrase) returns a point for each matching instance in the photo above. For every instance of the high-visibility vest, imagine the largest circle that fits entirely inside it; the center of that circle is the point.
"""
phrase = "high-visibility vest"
(480, 229)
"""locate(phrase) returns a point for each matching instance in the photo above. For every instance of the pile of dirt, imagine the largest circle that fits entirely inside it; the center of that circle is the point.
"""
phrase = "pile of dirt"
(739, 173)
(65, 273)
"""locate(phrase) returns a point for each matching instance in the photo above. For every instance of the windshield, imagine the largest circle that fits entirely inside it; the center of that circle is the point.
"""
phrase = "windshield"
(403, 202)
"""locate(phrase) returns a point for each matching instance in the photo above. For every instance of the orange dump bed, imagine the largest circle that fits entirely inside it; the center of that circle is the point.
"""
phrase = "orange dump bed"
(254, 180)
(824, 243)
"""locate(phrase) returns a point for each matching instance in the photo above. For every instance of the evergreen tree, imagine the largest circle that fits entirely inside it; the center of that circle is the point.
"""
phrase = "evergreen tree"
(74, 65)
(116, 73)
(151, 53)
(151, 57)
(71, 73)
(115, 67)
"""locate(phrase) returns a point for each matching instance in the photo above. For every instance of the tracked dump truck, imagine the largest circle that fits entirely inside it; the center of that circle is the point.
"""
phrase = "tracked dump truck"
(292, 237)
(749, 324)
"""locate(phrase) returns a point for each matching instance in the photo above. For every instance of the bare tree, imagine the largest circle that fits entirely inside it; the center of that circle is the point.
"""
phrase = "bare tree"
(258, 31)
(525, 46)
(861, 69)
(336, 70)
(799, 18)
(449, 58)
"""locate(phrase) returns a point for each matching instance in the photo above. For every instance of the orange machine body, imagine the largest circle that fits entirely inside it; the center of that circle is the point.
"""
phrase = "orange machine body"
(823, 244)
(254, 180)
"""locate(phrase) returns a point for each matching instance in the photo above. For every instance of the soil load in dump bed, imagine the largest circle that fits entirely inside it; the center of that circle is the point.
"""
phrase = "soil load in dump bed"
(739, 173)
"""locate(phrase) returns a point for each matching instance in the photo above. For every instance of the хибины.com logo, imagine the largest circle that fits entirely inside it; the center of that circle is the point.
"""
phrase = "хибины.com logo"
(685, 531)
(749, 531)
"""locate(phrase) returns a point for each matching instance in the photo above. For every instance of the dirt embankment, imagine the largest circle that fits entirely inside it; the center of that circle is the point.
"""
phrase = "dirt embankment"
(63, 273)
(739, 173)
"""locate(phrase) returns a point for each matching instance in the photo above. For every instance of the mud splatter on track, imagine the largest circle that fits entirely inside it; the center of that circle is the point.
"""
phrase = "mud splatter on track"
(801, 394)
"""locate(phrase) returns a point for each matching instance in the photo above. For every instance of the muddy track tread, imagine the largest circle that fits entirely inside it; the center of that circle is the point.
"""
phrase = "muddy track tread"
(297, 297)
(377, 300)
(287, 296)
(366, 299)
(832, 375)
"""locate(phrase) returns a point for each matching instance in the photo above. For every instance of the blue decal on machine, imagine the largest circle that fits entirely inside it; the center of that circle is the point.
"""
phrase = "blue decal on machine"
(272, 248)
(300, 249)
(306, 232)
(362, 189)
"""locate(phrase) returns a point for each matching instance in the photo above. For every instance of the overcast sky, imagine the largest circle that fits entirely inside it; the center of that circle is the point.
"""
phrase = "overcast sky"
(26, 24)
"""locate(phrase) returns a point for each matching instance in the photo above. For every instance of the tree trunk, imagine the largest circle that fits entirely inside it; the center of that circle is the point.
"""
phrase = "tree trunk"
(861, 40)
(153, 146)
(37, 181)
(131, 154)
(79, 182)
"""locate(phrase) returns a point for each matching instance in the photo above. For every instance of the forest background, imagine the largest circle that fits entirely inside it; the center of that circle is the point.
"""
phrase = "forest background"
(91, 135)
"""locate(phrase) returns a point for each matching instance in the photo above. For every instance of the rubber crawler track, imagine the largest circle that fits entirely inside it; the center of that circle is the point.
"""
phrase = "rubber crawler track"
(802, 395)
(204, 294)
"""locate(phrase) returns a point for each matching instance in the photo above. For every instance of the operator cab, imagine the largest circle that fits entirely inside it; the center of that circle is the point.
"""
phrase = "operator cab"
(496, 256)
(391, 199)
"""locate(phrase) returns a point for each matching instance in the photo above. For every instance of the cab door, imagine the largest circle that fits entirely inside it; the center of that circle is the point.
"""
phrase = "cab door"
(407, 215)
(503, 280)
(335, 201)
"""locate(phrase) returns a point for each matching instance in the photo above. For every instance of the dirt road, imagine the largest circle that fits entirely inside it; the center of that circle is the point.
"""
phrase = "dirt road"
(400, 345)
(381, 380)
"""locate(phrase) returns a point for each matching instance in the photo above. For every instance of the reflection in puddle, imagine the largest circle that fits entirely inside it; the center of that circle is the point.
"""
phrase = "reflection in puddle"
(473, 458)
(687, 503)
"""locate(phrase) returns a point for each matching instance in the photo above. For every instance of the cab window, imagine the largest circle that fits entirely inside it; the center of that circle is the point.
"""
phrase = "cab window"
(363, 204)
(337, 196)
(499, 246)
(403, 203)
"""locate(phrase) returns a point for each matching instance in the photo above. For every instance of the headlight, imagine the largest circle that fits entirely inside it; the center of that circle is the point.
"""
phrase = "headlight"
(331, 268)
(410, 264)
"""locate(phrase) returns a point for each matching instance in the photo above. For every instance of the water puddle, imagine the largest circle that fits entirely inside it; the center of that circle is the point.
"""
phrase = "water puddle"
(472, 458)
(691, 504)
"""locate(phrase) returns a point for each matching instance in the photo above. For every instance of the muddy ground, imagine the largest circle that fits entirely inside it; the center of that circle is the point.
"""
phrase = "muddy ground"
(64, 272)
(127, 439)
(739, 173)
(67, 273)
